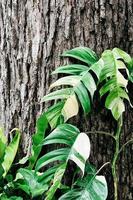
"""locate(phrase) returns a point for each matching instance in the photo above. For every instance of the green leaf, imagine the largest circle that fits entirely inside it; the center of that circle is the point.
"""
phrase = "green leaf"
(31, 185)
(41, 127)
(75, 69)
(83, 54)
(90, 187)
(78, 88)
(15, 198)
(10, 152)
(114, 102)
(92, 190)
(78, 151)
(115, 84)
(81, 82)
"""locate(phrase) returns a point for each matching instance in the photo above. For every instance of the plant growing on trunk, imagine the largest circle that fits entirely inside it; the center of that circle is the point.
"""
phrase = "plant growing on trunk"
(79, 87)
(75, 90)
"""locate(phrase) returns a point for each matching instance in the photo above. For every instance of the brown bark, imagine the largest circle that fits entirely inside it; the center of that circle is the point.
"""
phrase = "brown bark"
(33, 33)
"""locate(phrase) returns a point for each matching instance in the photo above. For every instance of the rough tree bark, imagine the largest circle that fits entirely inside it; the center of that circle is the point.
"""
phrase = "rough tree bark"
(33, 33)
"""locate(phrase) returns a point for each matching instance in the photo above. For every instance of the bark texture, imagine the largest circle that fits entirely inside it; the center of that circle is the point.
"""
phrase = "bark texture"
(33, 33)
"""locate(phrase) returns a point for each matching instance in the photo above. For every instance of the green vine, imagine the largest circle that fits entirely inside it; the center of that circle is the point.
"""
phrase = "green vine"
(115, 157)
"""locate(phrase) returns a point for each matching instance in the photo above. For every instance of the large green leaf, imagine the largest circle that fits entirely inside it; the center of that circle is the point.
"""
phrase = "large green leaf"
(77, 149)
(91, 187)
(78, 84)
(41, 127)
(10, 152)
(83, 54)
(115, 84)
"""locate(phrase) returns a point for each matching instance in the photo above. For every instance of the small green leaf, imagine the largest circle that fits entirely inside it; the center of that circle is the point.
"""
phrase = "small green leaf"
(10, 152)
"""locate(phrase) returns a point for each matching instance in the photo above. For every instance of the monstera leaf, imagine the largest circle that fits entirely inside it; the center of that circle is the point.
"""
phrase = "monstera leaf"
(77, 149)
(80, 85)
(114, 82)
(91, 187)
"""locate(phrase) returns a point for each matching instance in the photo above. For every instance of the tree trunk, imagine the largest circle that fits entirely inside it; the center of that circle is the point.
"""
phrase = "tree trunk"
(33, 33)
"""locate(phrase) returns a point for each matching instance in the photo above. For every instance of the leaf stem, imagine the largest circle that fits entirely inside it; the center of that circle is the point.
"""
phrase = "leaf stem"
(107, 163)
(124, 145)
(101, 133)
(115, 157)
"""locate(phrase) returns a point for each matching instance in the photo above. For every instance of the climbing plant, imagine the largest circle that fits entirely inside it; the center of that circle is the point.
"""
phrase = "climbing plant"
(105, 74)
(42, 174)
